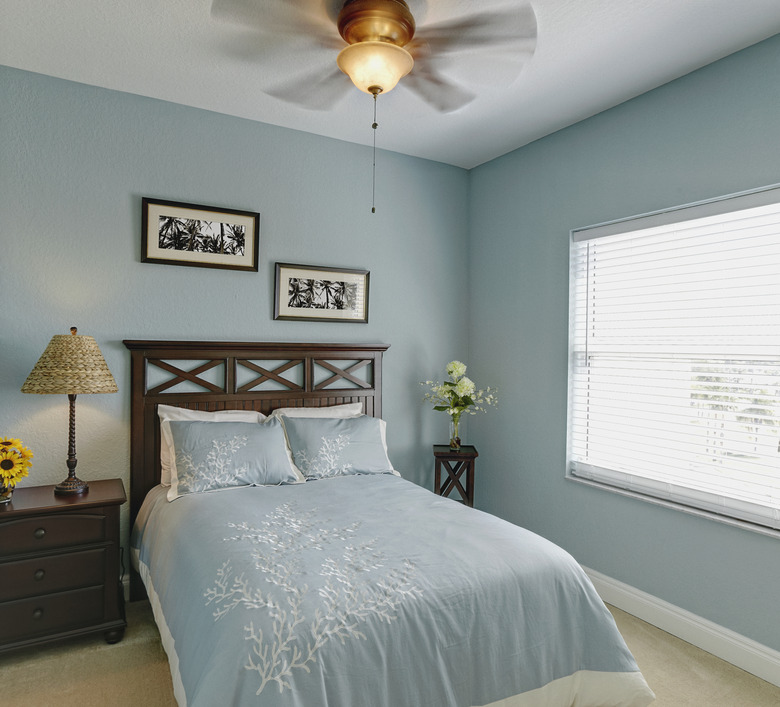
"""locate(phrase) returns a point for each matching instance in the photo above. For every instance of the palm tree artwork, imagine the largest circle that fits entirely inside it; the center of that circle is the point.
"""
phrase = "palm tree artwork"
(307, 293)
(201, 236)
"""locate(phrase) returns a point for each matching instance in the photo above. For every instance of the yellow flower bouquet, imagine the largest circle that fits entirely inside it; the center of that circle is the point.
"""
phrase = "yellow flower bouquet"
(15, 462)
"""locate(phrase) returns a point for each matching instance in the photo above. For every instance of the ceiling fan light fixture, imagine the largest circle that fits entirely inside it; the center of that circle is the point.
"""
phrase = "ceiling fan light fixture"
(375, 67)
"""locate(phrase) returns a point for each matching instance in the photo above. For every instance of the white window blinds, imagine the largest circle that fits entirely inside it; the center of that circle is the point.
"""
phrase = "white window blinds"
(675, 356)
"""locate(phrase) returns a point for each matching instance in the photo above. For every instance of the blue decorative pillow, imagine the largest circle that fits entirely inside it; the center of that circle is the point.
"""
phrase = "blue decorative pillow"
(217, 455)
(326, 447)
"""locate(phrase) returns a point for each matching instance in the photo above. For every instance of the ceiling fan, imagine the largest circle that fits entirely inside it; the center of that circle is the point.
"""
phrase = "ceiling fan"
(334, 39)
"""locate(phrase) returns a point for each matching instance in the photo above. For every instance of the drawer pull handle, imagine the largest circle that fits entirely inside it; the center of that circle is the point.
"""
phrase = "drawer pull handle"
(40, 533)
(39, 575)
(38, 614)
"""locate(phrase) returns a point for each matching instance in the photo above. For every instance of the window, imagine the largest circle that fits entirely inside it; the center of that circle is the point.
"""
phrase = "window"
(674, 383)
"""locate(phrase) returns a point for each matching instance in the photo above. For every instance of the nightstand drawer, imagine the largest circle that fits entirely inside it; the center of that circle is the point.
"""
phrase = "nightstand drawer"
(50, 531)
(52, 573)
(28, 618)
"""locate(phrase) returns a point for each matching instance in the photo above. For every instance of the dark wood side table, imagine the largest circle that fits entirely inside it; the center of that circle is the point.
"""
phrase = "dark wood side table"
(59, 565)
(456, 465)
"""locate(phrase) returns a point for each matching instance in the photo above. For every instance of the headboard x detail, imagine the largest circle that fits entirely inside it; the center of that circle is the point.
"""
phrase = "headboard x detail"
(216, 375)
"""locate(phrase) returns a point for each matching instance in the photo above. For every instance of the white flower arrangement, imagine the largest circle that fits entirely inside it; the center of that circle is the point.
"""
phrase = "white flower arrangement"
(457, 396)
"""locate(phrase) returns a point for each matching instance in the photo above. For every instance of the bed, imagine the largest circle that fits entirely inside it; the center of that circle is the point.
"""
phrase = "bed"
(310, 573)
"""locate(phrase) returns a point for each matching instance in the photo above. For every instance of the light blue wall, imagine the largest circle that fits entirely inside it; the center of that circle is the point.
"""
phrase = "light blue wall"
(713, 132)
(74, 164)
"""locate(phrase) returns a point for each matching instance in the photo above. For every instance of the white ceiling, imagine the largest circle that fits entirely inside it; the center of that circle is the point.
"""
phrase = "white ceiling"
(590, 55)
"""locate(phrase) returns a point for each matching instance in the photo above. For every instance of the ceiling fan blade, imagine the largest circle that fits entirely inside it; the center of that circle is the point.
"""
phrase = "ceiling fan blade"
(274, 17)
(314, 91)
(486, 48)
(247, 44)
(444, 95)
(509, 28)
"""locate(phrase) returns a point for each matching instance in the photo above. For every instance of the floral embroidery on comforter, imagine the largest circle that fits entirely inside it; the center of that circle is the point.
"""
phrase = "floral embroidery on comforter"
(357, 585)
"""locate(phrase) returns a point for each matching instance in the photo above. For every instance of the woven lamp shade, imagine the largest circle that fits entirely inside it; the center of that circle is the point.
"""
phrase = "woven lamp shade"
(71, 364)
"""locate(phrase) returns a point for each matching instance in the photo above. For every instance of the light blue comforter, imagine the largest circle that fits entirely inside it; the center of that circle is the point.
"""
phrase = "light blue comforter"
(363, 591)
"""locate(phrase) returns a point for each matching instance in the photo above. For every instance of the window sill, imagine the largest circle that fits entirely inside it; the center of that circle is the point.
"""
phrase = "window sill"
(690, 510)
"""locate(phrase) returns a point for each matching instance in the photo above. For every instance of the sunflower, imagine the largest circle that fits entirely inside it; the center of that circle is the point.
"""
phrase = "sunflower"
(10, 443)
(12, 466)
(15, 461)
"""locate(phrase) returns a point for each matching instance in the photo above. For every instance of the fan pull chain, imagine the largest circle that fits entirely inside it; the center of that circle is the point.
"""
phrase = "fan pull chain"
(374, 126)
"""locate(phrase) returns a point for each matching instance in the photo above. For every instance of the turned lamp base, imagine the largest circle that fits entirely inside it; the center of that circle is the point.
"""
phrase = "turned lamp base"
(71, 485)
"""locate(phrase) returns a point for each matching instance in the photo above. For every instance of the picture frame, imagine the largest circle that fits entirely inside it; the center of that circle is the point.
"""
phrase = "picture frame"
(177, 233)
(316, 293)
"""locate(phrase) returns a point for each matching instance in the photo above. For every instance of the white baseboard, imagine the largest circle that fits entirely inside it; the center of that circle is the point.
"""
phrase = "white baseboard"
(753, 657)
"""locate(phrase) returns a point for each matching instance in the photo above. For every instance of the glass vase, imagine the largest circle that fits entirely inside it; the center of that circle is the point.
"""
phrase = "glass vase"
(5, 493)
(454, 434)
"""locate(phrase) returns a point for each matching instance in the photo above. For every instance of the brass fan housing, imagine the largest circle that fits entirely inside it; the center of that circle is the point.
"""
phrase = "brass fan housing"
(388, 21)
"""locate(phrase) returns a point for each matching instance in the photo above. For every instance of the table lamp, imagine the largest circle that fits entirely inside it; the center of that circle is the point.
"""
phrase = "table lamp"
(71, 364)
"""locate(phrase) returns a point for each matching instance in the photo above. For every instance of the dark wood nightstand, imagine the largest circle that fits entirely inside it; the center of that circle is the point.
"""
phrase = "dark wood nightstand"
(456, 464)
(59, 565)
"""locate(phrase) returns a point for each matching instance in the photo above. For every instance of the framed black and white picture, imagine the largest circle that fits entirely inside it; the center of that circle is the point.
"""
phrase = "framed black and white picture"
(175, 233)
(313, 293)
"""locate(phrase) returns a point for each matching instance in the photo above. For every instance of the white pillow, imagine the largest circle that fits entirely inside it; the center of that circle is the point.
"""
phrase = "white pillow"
(347, 410)
(167, 413)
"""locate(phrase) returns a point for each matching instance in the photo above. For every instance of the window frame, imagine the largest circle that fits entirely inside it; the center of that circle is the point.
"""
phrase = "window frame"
(707, 208)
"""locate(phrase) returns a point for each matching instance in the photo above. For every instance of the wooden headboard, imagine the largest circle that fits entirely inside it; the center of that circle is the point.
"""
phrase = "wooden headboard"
(218, 375)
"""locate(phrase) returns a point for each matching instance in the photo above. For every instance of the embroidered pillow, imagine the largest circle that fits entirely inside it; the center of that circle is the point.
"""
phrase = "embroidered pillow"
(166, 413)
(326, 447)
(217, 455)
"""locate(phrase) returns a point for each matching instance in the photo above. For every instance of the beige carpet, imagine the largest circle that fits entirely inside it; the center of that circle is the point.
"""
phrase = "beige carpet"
(682, 675)
(87, 672)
